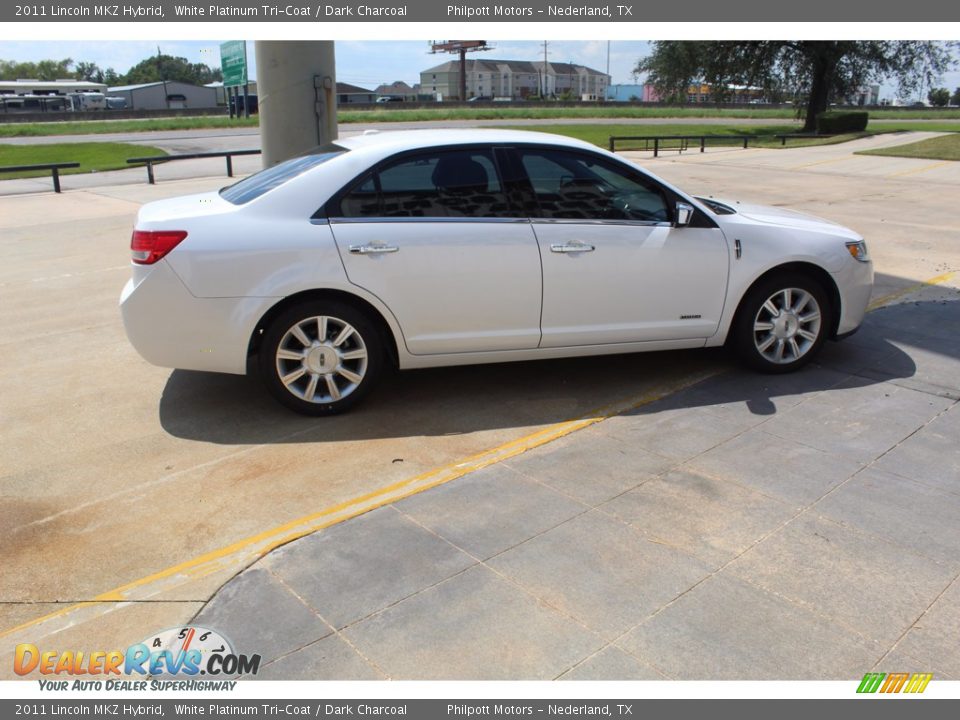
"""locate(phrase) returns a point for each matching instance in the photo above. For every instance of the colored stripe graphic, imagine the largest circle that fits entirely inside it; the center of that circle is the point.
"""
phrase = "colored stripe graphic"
(895, 682)
(870, 682)
(918, 682)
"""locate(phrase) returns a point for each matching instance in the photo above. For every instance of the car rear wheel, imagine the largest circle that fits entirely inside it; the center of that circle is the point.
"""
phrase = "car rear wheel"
(320, 358)
(782, 323)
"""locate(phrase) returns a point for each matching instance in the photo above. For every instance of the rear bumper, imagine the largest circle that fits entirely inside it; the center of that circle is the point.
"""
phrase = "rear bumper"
(171, 328)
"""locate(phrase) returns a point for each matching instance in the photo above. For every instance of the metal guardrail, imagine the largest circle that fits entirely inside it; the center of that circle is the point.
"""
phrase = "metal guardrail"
(799, 136)
(684, 141)
(159, 159)
(54, 169)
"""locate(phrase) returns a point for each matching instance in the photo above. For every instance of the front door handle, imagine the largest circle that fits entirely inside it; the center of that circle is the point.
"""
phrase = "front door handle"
(372, 249)
(574, 247)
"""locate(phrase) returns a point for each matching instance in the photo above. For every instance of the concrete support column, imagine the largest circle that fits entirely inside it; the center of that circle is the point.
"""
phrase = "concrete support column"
(296, 87)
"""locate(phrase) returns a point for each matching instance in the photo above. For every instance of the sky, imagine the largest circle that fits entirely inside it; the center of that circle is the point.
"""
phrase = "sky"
(366, 63)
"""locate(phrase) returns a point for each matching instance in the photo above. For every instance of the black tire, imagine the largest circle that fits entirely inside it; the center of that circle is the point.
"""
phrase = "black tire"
(790, 330)
(323, 362)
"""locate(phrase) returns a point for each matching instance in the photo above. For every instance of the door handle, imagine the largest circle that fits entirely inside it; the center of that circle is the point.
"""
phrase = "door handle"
(574, 247)
(372, 249)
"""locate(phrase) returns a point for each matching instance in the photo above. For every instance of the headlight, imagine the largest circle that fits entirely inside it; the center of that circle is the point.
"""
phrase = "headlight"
(858, 250)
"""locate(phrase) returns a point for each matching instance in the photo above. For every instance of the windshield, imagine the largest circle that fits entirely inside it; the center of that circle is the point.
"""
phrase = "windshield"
(259, 183)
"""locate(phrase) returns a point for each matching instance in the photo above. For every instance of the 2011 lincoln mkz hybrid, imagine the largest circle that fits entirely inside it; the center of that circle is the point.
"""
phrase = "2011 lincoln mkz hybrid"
(451, 247)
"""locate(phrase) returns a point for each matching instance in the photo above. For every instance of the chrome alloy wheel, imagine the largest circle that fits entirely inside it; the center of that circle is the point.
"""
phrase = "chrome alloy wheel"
(787, 326)
(321, 359)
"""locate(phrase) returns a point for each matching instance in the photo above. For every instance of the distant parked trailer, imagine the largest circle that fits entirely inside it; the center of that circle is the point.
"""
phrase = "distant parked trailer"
(51, 95)
(49, 87)
(83, 101)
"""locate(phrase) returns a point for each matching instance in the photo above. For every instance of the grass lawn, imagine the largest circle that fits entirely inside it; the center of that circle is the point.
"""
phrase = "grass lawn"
(600, 134)
(765, 134)
(99, 127)
(93, 157)
(505, 111)
(946, 147)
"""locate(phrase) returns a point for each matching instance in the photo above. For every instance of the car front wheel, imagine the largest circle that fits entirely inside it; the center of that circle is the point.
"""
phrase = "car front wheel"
(320, 358)
(782, 323)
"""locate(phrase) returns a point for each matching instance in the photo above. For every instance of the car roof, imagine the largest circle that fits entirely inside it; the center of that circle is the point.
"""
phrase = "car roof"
(399, 140)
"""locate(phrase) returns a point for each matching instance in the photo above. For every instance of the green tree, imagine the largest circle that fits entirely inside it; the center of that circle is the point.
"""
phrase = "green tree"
(42, 70)
(167, 67)
(814, 72)
(955, 98)
(89, 71)
(938, 97)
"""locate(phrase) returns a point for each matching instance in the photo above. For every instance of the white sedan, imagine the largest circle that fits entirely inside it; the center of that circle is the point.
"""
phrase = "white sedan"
(429, 248)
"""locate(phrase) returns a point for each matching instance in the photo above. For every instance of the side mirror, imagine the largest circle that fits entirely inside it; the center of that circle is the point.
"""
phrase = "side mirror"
(684, 214)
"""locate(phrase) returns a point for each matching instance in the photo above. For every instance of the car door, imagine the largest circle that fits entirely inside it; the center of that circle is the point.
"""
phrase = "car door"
(615, 269)
(433, 234)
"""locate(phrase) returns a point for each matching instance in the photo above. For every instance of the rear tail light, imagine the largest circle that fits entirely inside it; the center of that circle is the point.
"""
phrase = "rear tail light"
(148, 246)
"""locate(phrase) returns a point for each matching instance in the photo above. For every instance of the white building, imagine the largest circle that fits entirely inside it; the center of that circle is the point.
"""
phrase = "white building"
(514, 79)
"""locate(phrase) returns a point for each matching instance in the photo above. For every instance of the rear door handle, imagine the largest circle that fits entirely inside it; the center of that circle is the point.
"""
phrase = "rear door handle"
(574, 247)
(372, 249)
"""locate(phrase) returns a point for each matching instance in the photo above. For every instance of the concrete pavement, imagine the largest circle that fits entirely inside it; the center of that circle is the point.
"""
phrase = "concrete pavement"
(752, 528)
(123, 484)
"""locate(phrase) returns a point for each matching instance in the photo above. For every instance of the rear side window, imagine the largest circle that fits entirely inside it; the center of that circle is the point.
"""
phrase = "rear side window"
(449, 183)
(259, 183)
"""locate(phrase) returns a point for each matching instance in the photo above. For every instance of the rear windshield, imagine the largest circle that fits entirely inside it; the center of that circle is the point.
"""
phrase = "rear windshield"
(257, 184)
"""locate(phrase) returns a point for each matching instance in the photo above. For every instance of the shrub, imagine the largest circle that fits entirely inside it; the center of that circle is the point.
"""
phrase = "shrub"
(838, 122)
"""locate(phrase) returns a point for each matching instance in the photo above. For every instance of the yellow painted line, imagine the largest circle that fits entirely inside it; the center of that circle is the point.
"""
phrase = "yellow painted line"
(887, 299)
(914, 171)
(246, 551)
(821, 162)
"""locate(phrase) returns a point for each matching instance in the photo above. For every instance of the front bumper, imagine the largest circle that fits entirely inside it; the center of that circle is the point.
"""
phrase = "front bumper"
(855, 284)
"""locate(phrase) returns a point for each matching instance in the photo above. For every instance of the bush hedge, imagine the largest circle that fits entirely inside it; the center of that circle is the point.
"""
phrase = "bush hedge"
(838, 122)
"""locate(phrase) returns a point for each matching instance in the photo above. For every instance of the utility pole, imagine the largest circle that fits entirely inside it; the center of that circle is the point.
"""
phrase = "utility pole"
(609, 79)
(296, 88)
(163, 77)
(543, 93)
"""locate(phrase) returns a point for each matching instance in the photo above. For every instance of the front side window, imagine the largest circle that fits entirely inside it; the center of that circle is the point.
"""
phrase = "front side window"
(585, 187)
(440, 184)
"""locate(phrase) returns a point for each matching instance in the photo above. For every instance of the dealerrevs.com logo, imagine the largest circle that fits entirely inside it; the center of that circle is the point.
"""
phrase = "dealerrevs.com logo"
(170, 660)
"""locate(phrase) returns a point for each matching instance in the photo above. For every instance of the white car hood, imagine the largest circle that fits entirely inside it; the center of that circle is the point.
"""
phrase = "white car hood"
(787, 218)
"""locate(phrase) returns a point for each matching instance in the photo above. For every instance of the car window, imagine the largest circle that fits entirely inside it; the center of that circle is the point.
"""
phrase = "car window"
(259, 183)
(579, 186)
(362, 201)
(452, 183)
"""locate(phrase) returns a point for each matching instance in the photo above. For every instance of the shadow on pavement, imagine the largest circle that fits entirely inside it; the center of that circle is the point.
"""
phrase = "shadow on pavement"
(230, 410)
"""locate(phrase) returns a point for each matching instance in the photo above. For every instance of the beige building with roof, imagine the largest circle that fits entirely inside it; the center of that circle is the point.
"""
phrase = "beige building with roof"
(514, 79)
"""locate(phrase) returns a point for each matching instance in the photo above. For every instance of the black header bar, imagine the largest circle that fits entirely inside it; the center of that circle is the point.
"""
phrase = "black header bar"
(622, 11)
